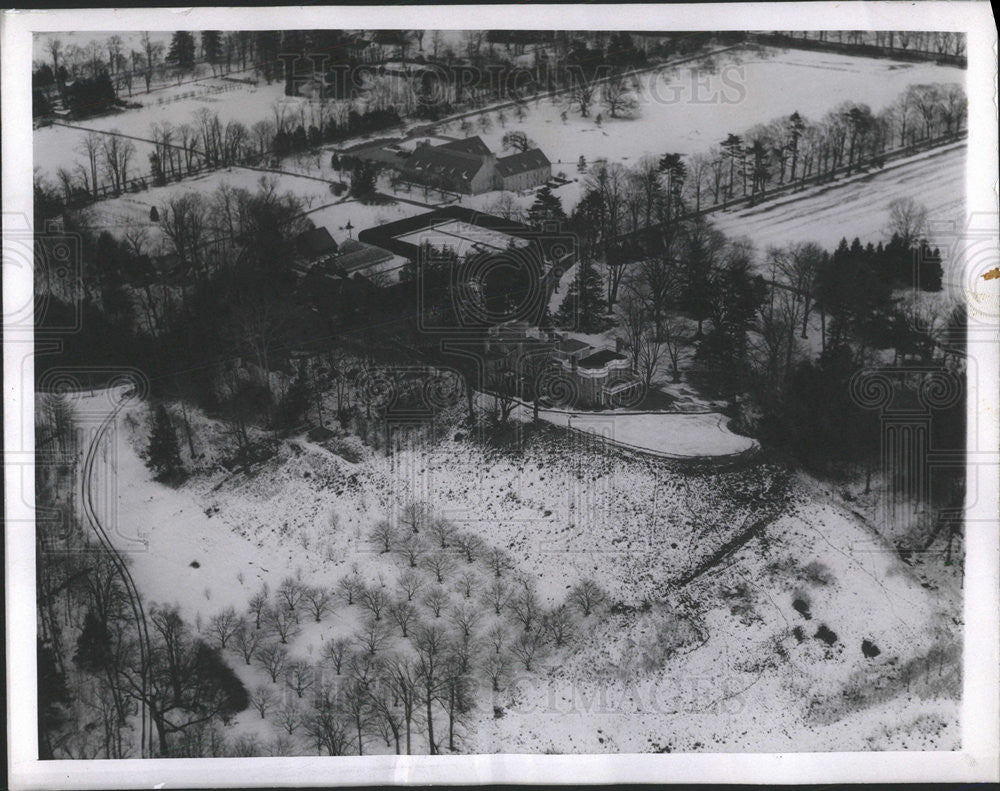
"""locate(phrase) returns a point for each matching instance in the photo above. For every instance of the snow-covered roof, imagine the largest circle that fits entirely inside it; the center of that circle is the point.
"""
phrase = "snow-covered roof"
(522, 162)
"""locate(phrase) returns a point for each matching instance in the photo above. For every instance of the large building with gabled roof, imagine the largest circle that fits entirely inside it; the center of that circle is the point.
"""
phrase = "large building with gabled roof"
(468, 167)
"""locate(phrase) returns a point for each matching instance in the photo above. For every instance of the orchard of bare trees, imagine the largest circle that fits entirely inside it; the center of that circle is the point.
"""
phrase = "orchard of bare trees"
(415, 654)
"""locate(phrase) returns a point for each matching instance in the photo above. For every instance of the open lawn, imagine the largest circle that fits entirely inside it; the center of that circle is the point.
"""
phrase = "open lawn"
(760, 650)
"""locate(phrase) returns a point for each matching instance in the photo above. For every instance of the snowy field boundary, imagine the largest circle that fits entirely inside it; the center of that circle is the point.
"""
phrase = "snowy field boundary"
(552, 416)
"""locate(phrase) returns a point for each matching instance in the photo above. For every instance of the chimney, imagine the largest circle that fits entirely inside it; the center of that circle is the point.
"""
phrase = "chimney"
(619, 345)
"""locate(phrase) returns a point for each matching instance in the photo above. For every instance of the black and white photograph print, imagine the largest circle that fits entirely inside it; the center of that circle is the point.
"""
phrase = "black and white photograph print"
(521, 390)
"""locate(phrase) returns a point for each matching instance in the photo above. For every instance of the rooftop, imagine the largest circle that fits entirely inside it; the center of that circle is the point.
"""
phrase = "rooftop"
(522, 162)
(403, 236)
(446, 164)
(315, 242)
(469, 145)
(355, 255)
(572, 345)
(600, 358)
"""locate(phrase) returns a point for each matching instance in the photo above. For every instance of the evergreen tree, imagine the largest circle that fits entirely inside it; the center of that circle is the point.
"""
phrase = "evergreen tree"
(159, 178)
(546, 208)
(363, 182)
(93, 646)
(154, 215)
(268, 45)
(584, 308)
(163, 455)
(211, 46)
(181, 52)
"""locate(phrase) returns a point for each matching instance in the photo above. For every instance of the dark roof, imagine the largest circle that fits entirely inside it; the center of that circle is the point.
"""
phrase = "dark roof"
(385, 236)
(315, 242)
(572, 345)
(600, 358)
(358, 255)
(454, 166)
(468, 145)
(522, 162)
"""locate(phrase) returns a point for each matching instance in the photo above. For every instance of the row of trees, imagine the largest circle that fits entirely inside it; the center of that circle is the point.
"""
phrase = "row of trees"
(620, 202)
(938, 42)
(148, 59)
(848, 138)
(109, 162)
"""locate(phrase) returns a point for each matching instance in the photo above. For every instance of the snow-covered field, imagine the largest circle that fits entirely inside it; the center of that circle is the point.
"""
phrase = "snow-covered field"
(730, 93)
(673, 435)
(727, 662)
(134, 208)
(858, 207)
(56, 146)
(679, 111)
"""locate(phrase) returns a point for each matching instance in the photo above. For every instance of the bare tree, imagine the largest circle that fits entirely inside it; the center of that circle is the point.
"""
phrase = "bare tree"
(384, 535)
(272, 658)
(225, 625)
(410, 547)
(558, 625)
(350, 586)
(354, 697)
(258, 605)
(466, 584)
(528, 647)
(651, 353)
(581, 94)
(525, 606)
(118, 152)
(318, 601)
(290, 593)
(497, 638)
(152, 50)
(262, 700)
(907, 219)
(496, 595)
(672, 344)
(289, 716)
(90, 147)
(401, 677)
(416, 515)
(430, 644)
(54, 46)
(383, 705)
(442, 531)
(497, 668)
(282, 621)
(587, 596)
(402, 613)
(183, 222)
(439, 564)
(247, 639)
(374, 600)
(334, 652)
(373, 635)
(498, 561)
(465, 619)
(299, 676)
(435, 599)
(618, 98)
(517, 140)
(410, 583)
(469, 545)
